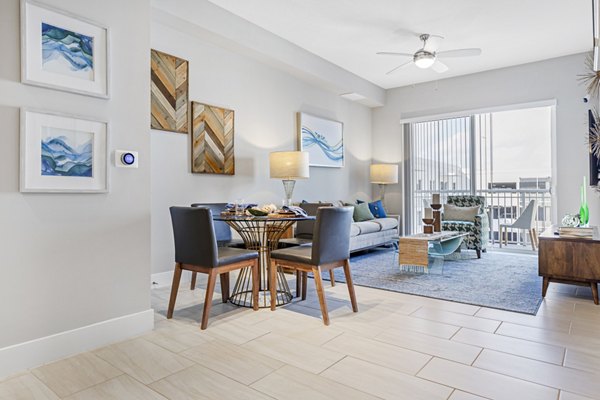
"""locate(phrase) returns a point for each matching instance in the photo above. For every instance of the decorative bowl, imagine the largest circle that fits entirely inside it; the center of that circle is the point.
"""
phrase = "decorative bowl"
(257, 213)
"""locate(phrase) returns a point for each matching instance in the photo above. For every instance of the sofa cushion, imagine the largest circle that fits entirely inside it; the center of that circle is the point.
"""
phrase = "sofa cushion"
(455, 213)
(362, 213)
(354, 230)
(367, 227)
(373, 240)
(386, 223)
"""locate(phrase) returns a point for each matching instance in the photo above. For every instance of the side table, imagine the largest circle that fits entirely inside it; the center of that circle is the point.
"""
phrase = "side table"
(569, 260)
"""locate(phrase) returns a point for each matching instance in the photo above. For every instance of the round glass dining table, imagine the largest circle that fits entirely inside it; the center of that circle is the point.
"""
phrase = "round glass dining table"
(261, 234)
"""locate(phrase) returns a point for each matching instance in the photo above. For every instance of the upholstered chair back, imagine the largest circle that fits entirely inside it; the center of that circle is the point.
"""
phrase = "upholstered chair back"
(194, 234)
(331, 239)
(305, 229)
(468, 201)
(222, 230)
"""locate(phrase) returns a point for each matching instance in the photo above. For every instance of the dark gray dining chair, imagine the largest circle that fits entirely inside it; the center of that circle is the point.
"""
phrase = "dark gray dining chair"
(222, 232)
(330, 249)
(196, 250)
(304, 237)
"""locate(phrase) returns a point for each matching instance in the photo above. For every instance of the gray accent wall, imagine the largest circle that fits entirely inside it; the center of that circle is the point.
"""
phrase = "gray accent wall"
(72, 260)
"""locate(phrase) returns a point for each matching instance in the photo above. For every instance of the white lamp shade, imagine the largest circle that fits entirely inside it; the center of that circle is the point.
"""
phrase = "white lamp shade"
(289, 165)
(384, 173)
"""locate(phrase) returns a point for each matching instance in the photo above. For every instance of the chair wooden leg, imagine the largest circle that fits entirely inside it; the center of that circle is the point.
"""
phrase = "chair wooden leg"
(210, 288)
(273, 284)
(478, 253)
(350, 285)
(298, 282)
(321, 293)
(304, 284)
(224, 286)
(537, 241)
(332, 277)
(174, 289)
(193, 281)
(532, 238)
(255, 284)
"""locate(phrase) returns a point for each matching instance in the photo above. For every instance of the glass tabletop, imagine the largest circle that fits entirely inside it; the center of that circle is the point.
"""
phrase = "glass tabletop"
(273, 217)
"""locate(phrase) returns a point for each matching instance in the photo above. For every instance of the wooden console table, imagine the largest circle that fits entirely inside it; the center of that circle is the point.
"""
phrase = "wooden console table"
(569, 260)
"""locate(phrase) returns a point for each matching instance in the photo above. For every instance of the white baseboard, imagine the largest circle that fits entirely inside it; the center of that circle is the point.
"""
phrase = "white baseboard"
(162, 279)
(31, 354)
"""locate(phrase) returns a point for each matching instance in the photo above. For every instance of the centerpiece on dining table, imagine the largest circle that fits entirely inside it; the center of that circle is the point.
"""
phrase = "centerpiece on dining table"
(265, 210)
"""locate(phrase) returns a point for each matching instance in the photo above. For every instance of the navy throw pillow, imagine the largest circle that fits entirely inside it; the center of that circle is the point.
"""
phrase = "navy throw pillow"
(377, 209)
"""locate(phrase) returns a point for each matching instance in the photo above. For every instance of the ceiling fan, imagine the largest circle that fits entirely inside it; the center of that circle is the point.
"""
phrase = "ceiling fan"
(427, 56)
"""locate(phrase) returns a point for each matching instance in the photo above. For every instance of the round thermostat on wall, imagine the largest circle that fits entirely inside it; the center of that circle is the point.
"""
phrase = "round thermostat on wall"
(126, 159)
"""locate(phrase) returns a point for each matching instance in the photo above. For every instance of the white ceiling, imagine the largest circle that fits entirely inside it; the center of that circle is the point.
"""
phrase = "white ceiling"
(348, 33)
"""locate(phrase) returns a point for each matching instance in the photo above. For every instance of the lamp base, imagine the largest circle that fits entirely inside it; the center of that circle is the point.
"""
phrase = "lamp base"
(288, 187)
(382, 192)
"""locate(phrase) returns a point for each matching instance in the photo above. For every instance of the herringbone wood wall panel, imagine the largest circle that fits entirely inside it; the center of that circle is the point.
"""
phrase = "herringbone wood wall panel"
(212, 139)
(169, 94)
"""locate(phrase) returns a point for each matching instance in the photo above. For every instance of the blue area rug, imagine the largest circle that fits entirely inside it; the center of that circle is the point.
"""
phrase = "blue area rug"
(498, 280)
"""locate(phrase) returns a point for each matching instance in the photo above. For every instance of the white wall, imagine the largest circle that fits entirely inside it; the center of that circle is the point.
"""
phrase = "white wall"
(265, 101)
(550, 79)
(71, 260)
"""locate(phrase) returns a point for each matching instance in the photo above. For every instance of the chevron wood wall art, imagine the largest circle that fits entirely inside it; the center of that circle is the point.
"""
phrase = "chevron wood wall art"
(169, 92)
(212, 139)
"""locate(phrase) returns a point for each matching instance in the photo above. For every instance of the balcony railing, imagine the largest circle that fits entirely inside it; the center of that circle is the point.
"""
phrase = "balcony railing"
(504, 206)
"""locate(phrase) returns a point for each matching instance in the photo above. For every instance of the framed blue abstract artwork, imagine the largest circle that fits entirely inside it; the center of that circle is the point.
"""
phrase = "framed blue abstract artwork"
(63, 153)
(323, 139)
(62, 51)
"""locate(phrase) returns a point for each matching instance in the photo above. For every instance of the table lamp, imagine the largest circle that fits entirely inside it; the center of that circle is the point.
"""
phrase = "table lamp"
(288, 166)
(384, 174)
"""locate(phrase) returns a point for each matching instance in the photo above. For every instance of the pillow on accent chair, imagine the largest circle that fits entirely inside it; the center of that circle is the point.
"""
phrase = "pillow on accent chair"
(455, 213)
(362, 213)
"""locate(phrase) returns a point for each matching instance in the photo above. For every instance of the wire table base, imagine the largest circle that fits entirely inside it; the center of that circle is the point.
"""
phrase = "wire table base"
(262, 235)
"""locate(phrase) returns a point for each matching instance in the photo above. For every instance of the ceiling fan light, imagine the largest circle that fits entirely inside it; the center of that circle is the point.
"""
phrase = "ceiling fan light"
(424, 60)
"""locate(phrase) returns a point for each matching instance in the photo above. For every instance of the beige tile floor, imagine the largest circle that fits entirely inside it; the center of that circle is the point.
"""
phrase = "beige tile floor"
(397, 347)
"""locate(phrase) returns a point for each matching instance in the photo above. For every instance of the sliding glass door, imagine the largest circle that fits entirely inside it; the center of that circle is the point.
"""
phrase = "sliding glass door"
(440, 162)
(504, 156)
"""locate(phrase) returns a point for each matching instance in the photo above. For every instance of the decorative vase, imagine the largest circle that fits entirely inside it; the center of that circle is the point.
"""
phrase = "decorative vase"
(584, 212)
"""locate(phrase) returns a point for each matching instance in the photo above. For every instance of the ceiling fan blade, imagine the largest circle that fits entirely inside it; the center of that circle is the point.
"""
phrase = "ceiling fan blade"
(439, 67)
(433, 43)
(459, 53)
(391, 53)
(398, 67)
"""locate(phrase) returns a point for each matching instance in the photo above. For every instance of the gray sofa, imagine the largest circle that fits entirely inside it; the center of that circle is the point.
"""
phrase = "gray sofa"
(363, 235)
(374, 233)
